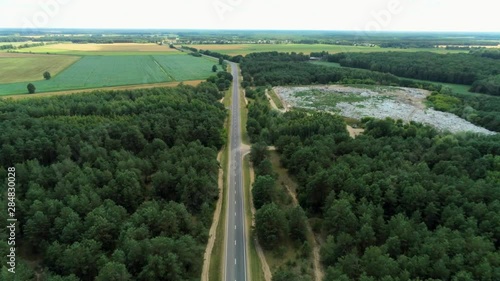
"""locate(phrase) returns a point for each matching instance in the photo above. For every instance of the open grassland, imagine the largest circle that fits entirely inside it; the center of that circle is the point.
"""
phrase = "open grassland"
(102, 49)
(25, 67)
(106, 71)
(243, 49)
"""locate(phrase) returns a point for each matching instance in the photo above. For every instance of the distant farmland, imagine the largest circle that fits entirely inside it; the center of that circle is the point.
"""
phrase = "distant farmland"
(102, 49)
(105, 71)
(243, 49)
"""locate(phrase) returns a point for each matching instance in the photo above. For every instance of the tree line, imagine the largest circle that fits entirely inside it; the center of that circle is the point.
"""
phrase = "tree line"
(448, 68)
(273, 68)
(487, 53)
(99, 39)
(278, 223)
(114, 185)
(195, 52)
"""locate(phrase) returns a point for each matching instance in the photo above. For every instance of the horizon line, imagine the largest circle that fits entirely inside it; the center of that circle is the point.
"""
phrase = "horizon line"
(243, 29)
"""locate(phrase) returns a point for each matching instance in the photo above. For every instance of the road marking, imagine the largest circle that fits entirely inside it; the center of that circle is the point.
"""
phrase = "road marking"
(235, 227)
(234, 261)
(234, 242)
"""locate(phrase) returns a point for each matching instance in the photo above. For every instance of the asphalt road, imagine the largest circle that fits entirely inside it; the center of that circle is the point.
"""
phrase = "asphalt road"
(235, 260)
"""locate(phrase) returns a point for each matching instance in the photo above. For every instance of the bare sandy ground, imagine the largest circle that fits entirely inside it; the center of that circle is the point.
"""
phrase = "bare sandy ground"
(354, 132)
(379, 102)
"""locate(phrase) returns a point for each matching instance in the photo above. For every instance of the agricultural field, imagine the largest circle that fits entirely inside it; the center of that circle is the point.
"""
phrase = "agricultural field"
(102, 49)
(106, 71)
(114, 88)
(359, 101)
(243, 49)
(27, 67)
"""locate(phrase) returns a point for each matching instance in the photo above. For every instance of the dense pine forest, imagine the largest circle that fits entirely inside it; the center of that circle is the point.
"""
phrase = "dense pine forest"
(113, 184)
(273, 68)
(400, 202)
(477, 70)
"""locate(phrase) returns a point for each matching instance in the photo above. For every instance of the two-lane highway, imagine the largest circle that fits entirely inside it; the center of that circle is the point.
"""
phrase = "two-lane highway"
(235, 268)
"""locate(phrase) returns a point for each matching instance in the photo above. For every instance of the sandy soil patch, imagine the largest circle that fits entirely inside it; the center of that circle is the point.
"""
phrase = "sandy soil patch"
(354, 132)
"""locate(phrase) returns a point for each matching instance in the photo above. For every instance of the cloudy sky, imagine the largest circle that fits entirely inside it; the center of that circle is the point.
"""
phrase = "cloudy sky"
(390, 15)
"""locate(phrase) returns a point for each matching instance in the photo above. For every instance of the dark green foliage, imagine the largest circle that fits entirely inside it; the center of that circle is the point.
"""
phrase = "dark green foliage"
(273, 68)
(271, 225)
(258, 153)
(487, 53)
(115, 185)
(284, 274)
(489, 85)
(113, 271)
(297, 223)
(222, 80)
(262, 190)
(259, 114)
(214, 68)
(265, 168)
(31, 88)
(449, 68)
(46, 75)
(400, 202)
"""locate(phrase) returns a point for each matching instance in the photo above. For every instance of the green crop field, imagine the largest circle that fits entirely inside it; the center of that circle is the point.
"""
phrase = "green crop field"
(243, 49)
(103, 71)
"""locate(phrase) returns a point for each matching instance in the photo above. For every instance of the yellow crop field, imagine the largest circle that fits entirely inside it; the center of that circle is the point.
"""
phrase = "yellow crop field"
(15, 67)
